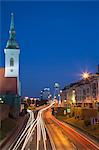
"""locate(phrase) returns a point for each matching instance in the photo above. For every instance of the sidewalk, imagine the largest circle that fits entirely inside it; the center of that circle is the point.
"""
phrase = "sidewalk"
(4, 144)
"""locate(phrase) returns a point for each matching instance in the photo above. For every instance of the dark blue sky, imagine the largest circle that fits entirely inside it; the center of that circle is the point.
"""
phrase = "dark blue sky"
(58, 40)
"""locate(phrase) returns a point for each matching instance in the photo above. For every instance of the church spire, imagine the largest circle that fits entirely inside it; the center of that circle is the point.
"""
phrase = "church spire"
(12, 22)
(12, 44)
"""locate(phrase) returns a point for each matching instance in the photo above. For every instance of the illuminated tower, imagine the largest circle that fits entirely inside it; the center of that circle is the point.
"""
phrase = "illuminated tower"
(12, 52)
(56, 91)
(45, 94)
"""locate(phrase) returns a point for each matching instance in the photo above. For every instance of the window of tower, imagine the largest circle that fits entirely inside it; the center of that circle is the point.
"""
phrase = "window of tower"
(11, 62)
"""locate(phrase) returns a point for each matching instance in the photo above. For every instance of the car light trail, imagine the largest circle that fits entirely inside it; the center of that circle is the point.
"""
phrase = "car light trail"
(29, 134)
(40, 129)
(22, 136)
(29, 130)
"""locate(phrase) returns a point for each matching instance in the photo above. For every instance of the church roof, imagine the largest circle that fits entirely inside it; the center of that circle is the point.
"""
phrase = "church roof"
(11, 43)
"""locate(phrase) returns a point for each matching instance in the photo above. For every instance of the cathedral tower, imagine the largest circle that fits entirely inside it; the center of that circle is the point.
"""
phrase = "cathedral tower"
(12, 52)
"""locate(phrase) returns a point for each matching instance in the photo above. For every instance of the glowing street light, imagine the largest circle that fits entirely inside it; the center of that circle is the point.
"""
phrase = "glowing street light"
(60, 91)
(54, 97)
(26, 98)
(65, 100)
(85, 75)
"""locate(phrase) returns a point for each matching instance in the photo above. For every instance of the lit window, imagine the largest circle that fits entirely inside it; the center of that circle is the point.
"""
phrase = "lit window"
(11, 62)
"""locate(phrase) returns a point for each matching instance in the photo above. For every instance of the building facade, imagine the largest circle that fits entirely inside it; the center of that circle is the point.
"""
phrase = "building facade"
(45, 94)
(83, 91)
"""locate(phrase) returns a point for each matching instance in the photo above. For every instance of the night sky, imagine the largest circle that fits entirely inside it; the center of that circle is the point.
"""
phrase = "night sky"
(58, 40)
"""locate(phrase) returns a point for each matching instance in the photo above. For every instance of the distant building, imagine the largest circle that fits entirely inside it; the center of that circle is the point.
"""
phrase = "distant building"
(82, 98)
(56, 91)
(45, 94)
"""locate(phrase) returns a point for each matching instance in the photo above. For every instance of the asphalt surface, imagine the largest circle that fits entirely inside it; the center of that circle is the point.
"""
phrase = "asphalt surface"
(60, 136)
(60, 140)
(32, 143)
(65, 137)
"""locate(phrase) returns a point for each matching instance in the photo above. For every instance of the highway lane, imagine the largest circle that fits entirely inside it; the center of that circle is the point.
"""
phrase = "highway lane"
(41, 141)
(65, 137)
(16, 136)
(60, 141)
(31, 145)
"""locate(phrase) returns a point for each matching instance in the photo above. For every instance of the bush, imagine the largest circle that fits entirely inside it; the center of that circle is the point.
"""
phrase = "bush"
(87, 122)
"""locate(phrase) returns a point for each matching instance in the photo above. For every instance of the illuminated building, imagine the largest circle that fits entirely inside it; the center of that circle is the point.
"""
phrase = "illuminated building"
(45, 94)
(10, 90)
(86, 91)
(12, 52)
(56, 91)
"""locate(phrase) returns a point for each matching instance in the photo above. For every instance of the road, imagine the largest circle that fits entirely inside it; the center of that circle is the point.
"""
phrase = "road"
(59, 136)
(65, 137)
(16, 135)
(34, 135)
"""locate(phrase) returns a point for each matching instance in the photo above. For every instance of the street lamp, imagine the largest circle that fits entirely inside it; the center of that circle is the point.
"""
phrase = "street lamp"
(60, 91)
(85, 75)
(65, 100)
